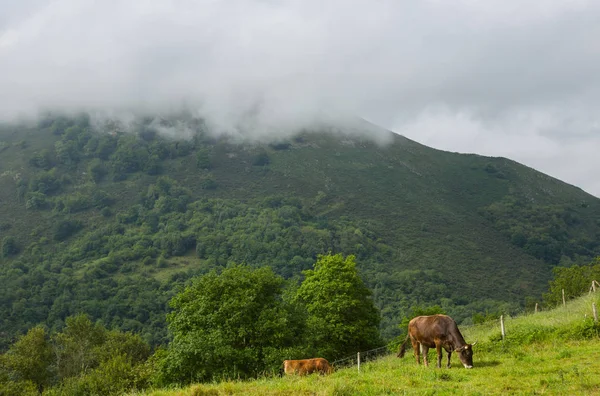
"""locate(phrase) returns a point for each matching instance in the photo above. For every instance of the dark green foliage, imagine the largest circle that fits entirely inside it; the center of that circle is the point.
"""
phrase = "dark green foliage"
(30, 358)
(280, 145)
(104, 146)
(546, 232)
(85, 358)
(65, 228)
(59, 125)
(261, 159)
(534, 333)
(427, 227)
(97, 170)
(233, 324)
(9, 246)
(73, 203)
(342, 318)
(77, 346)
(66, 152)
(574, 280)
(42, 160)
(209, 184)
(203, 158)
(485, 317)
(36, 201)
(101, 199)
(45, 182)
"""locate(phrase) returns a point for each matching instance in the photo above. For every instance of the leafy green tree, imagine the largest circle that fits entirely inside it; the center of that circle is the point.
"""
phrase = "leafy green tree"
(575, 281)
(9, 246)
(45, 182)
(228, 325)
(342, 318)
(66, 228)
(66, 152)
(36, 200)
(203, 158)
(75, 346)
(42, 159)
(97, 170)
(261, 159)
(31, 358)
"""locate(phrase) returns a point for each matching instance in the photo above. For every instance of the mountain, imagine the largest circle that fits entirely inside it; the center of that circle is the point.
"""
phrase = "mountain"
(111, 219)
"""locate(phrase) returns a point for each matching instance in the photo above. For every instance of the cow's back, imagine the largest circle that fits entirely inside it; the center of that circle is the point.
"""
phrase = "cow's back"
(306, 366)
(426, 329)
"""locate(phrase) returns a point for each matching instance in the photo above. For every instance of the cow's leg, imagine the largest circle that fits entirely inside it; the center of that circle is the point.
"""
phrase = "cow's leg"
(425, 351)
(415, 346)
(449, 356)
(438, 349)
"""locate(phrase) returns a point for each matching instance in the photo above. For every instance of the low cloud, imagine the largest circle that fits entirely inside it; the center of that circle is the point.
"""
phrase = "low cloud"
(510, 78)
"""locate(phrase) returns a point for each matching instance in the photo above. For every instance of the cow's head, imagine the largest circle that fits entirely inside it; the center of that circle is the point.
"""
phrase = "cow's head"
(465, 354)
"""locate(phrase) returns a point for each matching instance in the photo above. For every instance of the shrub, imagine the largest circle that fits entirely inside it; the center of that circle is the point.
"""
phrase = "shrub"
(9, 246)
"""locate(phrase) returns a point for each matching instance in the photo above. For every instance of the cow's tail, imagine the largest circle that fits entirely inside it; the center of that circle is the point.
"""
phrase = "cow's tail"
(402, 348)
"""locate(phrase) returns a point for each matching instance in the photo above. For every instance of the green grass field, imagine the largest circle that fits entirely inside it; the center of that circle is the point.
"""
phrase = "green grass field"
(543, 353)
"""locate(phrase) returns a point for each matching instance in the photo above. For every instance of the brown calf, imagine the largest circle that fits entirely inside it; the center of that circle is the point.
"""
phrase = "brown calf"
(307, 366)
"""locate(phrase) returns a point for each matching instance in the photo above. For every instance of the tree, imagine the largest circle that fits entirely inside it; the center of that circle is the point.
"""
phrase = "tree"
(9, 246)
(233, 324)
(342, 318)
(97, 170)
(203, 158)
(30, 358)
(261, 159)
(575, 281)
(75, 346)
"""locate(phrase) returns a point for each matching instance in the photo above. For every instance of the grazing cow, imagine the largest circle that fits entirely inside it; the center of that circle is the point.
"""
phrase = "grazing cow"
(437, 331)
(307, 366)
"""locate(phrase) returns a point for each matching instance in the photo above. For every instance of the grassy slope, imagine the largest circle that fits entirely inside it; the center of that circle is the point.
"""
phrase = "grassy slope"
(554, 366)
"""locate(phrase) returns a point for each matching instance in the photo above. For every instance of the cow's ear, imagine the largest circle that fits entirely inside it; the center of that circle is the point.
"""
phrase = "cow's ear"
(459, 349)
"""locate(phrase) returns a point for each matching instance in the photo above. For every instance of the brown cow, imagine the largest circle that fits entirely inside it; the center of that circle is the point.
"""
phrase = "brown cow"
(307, 366)
(437, 331)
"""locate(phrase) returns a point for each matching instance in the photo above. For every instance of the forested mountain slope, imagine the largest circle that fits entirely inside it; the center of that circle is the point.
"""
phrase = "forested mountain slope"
(109, 219)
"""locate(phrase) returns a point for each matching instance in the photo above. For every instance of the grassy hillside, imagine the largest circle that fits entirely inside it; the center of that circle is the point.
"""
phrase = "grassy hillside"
(551, 352)
(110, 219)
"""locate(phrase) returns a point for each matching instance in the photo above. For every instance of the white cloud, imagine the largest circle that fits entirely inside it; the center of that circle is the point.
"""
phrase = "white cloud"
(511, 78)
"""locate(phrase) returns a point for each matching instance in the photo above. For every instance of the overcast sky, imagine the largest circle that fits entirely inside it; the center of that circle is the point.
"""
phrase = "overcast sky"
(511, 78)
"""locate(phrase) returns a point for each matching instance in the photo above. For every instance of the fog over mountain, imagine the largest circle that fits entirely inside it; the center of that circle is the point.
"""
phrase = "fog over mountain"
(508, 78)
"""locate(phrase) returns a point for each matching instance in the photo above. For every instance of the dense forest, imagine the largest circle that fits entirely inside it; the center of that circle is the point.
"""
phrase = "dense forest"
(112, 219)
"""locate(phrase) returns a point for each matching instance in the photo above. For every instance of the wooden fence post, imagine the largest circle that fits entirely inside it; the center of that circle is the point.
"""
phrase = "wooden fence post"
(536, 307)
(358, 360)
(595, 312)
(563, 294)
(502, 326)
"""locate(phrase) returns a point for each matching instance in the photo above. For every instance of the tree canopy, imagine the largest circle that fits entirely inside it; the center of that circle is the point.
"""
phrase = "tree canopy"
(229, 324)
(342, 318)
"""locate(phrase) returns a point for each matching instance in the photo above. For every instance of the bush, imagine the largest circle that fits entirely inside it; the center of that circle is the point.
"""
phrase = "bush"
(261, 159)
(36, 200)
(208, 184)
(9, 246)
(66, 228)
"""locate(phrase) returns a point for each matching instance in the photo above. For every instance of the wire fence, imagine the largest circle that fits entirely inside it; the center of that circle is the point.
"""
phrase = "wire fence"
(361, 357)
